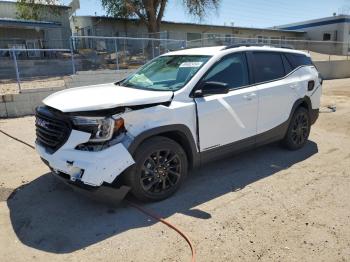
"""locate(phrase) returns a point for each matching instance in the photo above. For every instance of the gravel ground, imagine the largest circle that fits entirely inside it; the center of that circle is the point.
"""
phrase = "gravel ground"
(268, 204)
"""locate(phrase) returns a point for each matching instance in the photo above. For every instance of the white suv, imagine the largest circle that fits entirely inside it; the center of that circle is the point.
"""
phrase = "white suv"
(177, 112)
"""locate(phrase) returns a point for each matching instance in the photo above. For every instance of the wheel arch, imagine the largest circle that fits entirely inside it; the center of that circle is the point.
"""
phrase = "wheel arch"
(177, 132)
(301, 102)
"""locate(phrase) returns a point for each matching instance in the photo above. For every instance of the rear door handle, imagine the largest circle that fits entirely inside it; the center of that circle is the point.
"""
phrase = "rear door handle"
(249, 96)
(293, 86)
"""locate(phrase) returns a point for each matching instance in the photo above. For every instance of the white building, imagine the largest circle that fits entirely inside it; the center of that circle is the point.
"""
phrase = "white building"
(332, 32)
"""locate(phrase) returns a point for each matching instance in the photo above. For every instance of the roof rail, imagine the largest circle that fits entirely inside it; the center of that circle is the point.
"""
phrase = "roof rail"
(248, 45)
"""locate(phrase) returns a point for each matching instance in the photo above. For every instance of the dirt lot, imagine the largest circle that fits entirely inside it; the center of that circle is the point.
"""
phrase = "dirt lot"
(269, 205)
(11, 86)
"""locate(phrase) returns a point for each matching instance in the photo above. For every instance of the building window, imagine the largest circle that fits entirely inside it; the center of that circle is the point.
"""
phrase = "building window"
(266, 40)
(327, 37)
(275, 40)
(193, 36)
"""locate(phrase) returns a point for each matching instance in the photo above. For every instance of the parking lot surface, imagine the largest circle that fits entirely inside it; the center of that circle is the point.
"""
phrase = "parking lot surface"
(268, 204)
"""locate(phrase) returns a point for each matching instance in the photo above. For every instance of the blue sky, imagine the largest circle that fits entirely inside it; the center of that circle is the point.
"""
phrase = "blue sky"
(250, 13)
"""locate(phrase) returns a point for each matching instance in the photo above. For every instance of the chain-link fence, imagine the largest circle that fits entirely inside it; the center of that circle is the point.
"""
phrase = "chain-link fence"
(95, 59)
(120, 52)
(22, 69)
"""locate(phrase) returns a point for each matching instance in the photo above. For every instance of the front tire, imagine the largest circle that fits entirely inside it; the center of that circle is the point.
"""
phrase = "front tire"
(159, 170)
(298, 130)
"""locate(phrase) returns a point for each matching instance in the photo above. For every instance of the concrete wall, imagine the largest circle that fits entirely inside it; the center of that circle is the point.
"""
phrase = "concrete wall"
(15, 105)
(334, 69)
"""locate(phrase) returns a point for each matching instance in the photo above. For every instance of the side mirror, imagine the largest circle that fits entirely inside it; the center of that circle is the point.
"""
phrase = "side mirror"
(211, 88)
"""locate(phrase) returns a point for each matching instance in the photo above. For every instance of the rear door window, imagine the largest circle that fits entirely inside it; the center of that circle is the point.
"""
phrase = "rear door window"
(268, 66)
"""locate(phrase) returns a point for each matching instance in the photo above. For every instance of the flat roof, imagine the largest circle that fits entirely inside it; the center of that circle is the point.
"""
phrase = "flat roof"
(194, 24)
(22, 23)
(315, 22)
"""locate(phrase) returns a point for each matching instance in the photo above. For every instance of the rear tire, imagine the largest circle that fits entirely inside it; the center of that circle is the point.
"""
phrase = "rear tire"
(298, 130)
(159, 170)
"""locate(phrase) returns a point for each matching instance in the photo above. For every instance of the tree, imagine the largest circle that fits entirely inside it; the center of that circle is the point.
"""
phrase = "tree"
(151, 12)
(36, 9)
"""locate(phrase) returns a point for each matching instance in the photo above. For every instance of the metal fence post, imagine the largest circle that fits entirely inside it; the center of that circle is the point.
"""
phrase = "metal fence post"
(72, 54)
(143, 51)
(17, 71)
(152, 49)
(116, 53)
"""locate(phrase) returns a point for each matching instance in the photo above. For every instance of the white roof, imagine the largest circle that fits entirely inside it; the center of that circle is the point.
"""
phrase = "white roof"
(214, 50)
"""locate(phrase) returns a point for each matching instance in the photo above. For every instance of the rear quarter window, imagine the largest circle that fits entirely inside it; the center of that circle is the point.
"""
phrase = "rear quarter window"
(297, 60)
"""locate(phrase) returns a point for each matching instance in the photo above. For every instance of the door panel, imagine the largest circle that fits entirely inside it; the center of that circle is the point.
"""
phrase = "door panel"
(228, 118)
(276, 100)
(276, 92)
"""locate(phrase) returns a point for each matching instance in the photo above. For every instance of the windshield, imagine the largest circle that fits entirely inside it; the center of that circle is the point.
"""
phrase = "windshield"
(166, 73)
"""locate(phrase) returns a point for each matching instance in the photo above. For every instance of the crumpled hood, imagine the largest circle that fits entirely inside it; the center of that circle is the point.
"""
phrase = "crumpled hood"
(105, 96)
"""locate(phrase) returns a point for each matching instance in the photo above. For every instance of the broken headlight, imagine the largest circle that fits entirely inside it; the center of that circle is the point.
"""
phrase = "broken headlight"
(100, 128)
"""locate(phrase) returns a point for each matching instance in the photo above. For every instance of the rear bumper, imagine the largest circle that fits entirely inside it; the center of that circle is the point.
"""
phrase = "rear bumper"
(85, 167)
(314, 113)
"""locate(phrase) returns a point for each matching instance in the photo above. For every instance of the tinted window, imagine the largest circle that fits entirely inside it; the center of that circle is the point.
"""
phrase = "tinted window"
(268, 66)
(232, 70)
(287, 66)
(298, 60)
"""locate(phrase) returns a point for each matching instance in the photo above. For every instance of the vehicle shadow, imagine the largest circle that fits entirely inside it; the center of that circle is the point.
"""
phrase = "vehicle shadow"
(47, 215)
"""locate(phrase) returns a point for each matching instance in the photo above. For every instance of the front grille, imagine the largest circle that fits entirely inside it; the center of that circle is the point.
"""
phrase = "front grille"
(52, 128)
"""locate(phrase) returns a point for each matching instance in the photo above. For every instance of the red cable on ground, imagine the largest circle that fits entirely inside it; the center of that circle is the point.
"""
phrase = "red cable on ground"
(143, 210)
(160, 219)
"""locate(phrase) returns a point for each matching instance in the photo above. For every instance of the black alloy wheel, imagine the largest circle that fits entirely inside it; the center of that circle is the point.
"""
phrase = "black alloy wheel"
(298, 130)
(159, 170)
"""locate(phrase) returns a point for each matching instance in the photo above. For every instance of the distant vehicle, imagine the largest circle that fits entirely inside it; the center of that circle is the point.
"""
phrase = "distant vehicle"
(177, 112)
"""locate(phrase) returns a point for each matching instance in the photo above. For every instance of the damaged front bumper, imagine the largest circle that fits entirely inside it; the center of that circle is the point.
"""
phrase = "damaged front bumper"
(105, 194)
(85, 167)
